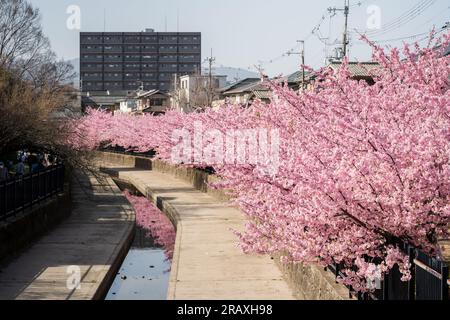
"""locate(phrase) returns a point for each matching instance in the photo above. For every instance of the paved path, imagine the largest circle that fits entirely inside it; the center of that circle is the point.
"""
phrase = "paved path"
(94, 238)
(207, 262)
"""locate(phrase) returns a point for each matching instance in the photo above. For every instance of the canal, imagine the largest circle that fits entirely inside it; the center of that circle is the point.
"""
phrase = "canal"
(145, 272)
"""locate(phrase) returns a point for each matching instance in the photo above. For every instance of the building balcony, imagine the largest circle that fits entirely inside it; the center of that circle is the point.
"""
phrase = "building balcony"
(113, 86)
(113, 50)
(135, 77)
(113, 69)
(173, 59)
(133, 39)
(149, 39)
(167, 77)
(93, 40)
(98, 68)
(189, 50)
(173, 42)
(151, 85)
(110, 59)
(131, 69)
(112, 78)
(132, 58)
(149, 78)
(150, 49)
(113, 41)
(168, 69)
(149, 69)
(183, 59)
(190, 42)
(189, 69)
(168, 50)
(91, 50)
(165, 86)
(150, 58)
(92, 59)
(91, 78)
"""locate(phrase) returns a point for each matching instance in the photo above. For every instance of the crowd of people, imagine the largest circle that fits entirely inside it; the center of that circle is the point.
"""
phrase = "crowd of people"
(25, 163)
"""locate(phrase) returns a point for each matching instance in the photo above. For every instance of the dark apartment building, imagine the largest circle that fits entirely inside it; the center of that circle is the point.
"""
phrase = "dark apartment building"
(124, 61)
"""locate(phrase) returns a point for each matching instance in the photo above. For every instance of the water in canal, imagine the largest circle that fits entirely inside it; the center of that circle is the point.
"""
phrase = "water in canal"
(145, 272)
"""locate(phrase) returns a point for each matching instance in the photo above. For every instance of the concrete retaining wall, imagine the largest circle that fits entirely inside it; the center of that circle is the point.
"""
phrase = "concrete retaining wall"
(20, 231)
(308, 282)
(199, 179)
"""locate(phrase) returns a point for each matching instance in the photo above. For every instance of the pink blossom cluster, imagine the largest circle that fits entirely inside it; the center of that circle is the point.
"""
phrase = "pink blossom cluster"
(151, 219)
(362, 167)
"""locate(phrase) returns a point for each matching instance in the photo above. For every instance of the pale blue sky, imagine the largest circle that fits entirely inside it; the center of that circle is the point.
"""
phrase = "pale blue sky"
(242, 32)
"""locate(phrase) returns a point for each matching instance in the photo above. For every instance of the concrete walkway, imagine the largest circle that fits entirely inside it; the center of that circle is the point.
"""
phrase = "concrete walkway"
(95, 238)
(207, 262)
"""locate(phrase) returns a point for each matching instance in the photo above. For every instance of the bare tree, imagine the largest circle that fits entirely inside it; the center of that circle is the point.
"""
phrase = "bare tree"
(24, 47)
(33, 84)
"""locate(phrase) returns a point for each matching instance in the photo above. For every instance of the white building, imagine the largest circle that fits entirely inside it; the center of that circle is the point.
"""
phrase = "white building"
(197, 91)
(128, 105)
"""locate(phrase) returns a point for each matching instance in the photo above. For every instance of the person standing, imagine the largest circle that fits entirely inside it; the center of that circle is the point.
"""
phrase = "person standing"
(20, 169)
(4, 174)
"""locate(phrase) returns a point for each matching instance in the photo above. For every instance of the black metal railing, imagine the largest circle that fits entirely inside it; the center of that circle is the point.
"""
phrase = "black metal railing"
(119, 150)
(429, 280)
(431, 277)
(21, 193)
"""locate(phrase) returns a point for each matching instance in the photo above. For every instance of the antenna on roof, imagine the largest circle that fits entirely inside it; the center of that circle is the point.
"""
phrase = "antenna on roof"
(104, 19)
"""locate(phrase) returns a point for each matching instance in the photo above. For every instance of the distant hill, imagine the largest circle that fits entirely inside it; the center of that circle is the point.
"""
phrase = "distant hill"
(234, 74)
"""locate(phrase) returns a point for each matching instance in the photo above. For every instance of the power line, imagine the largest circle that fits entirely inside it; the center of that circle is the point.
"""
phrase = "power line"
(405, 18)
(402, 38)
(414, 36)
(406, 15)
(305, 38)
(442, 13)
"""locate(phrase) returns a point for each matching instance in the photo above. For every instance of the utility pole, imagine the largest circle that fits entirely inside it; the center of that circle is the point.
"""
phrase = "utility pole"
(345, 40)
(210, 61)
(303, 64)
(302, 55)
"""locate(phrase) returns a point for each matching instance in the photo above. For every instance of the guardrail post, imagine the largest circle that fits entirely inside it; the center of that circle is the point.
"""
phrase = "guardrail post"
(412, 282)
(444, 285)
(14, 197)
(39, 190)
(3, 196)
(385, 288)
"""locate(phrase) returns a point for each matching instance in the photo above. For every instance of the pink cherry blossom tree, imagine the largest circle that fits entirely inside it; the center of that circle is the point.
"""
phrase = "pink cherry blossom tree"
(151, 219)
(362, 168)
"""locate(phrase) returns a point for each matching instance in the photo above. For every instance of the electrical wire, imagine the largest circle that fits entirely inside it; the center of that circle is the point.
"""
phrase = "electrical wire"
(404, 19)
